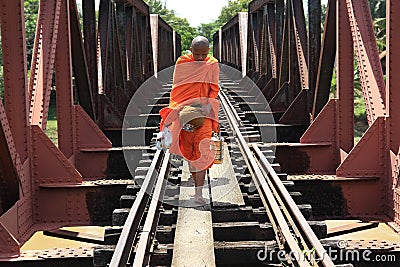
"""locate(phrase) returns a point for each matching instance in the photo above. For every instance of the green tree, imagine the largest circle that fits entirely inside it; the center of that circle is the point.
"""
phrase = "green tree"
(31, 9)
(187, 32)
(227, 13)
(230, 10)
(180, 25)
(208, 29)
(378, 8)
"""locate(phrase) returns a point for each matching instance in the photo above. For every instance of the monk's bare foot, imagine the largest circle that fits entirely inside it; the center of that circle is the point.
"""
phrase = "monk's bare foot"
(200, 200)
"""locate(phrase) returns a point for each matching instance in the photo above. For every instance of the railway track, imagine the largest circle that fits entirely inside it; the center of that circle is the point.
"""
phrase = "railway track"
(263, 217)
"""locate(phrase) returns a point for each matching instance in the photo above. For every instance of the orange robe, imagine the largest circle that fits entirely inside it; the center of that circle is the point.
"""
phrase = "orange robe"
(194, 81)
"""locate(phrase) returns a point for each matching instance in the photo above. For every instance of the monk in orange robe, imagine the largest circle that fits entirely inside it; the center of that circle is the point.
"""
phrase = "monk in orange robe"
(195, 81)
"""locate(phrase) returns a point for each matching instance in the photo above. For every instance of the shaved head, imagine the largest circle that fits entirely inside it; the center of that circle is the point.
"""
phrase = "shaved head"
(200, 41)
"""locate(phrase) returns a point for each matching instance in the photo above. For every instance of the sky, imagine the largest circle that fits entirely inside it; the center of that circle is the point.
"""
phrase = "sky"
(195, 11)
(203, 11)
(198, 11)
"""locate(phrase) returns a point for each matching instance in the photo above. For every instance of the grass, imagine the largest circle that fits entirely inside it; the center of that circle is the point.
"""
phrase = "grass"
(360, 115)
(51, 131)
(51, 127)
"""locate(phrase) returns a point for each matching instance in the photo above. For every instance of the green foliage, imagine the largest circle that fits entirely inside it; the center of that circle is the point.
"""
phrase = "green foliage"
(233, 7)
(51, 126)
(380, 33)
(208, 29)
(187, 32)
(378, 8)
(227, 13)
(31, 8)
(180, 25)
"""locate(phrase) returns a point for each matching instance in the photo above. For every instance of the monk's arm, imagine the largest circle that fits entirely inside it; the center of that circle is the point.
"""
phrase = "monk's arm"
(215, 106)
(213, 94)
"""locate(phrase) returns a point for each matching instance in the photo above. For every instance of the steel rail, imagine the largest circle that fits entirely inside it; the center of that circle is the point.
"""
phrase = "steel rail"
(271, 202)
(296, 213)
(125, 242)
(151, 218)
(274, 224)
(297, 232)
(266, 191)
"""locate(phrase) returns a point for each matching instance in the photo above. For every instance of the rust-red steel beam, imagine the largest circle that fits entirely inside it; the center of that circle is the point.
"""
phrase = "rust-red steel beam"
(47, 190)
(9, 175)
(314, 44)
(165, 45)
(284, 55)
(327, 146)
(177, 45)
(64, 94)
(51, 187)
(15, 81)
(345, 80)
(80, 67)
(369, 65)
(272, 27)
(289, 80)
(279, 54)
(125, 57)
(232, 35)
(243, 26)
(299, 108)
(13, 132)
(41, 74)
(334, 124)
(299, 28)
(393, 108)
(326, 61)
(90, 43)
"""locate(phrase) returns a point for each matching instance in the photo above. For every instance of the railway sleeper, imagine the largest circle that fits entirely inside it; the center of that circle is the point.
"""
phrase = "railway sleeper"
(249, 138)
(253, 253)
(132, 189)
(239, 162)
(250, 187)
(247, 213)
(255, 231)
(238, 231)
(244, 231)
(254, 200)
(246, 178)
(144, 119)
(250, 106)
(219, 215)
(145, 163)
(284, 133)
(167, 216)
(241, 254)
(141, 172)
(252, 115)
(266, 150)
(112, 234)
(243, 98)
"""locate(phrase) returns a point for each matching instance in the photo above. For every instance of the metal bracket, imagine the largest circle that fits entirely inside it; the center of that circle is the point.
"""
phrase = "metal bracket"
(9, 246)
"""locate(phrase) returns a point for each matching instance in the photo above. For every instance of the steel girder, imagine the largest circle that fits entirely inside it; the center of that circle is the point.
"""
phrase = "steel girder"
(44, 185)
